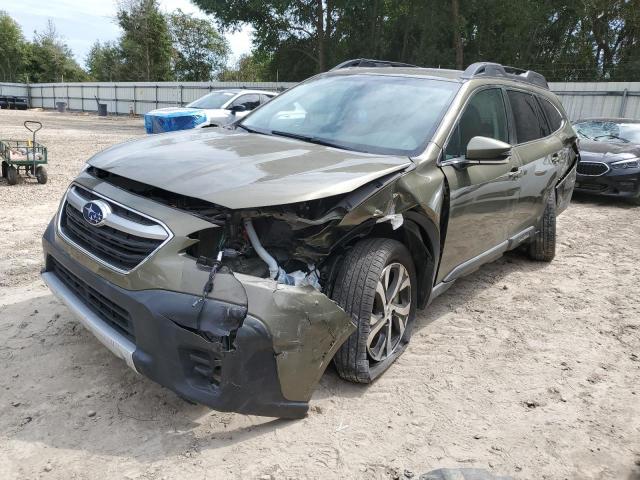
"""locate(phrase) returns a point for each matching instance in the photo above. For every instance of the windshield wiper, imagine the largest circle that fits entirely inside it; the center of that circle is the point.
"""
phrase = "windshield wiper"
(310, 139)
(610, 135)
(250, 130)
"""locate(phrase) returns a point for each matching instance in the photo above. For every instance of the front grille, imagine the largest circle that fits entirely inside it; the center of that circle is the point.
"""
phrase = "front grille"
(591, 186)
(118, 248)
(113, 314)
(592, 168)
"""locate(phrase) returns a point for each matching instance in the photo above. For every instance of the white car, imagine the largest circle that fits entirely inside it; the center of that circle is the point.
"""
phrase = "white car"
(217, 108)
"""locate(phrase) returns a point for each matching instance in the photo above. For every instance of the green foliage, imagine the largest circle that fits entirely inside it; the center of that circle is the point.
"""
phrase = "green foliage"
(104, 62)
(145, 43)
(12, 49)
(199, 51)
(49, 59)
(563, 39)
(248, 68)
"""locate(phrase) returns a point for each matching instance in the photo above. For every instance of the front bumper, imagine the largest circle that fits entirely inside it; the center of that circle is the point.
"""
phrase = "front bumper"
(613, 183)
(236, 362)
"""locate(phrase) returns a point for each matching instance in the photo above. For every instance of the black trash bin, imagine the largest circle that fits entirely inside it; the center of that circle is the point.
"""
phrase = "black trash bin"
(61, 106)
(102, 109)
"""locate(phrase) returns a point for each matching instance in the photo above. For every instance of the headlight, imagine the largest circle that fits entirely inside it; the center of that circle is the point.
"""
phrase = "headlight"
(628, 163)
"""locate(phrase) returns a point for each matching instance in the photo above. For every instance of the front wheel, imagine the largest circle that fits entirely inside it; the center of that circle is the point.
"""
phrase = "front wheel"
(376, 286)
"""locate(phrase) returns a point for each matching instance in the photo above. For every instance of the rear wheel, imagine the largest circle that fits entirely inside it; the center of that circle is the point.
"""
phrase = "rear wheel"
(376, 287)
(41, 175)
(543, 246)
(12, 175)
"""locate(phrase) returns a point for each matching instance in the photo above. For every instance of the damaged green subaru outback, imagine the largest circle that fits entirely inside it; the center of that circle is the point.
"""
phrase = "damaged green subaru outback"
(232, 265)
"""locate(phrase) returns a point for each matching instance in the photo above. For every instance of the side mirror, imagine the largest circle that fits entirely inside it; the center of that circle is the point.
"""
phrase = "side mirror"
(488, 150)
(238, 108)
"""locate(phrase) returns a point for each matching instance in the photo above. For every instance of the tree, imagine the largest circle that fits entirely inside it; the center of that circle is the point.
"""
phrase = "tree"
(49, 59)
(12, 49)
(199, 51)
(145, 43)
(104, 62)
(248, 68)
(305, 28)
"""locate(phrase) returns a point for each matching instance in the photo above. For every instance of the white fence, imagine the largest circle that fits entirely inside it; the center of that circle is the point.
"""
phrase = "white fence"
(14, 89)
(139, 97)
(599, 99)
(580, 99)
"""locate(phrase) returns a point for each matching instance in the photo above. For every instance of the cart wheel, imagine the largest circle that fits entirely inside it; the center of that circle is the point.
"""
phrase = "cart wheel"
(41, 175)
(12, 175)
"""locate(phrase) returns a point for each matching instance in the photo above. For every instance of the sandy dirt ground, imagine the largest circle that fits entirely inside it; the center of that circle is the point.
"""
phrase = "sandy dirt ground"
(524, 369)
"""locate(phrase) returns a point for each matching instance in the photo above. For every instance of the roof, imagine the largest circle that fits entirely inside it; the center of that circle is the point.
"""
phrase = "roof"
(473, 71)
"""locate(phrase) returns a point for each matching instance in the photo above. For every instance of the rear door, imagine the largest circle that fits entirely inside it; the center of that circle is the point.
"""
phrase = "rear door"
(539, 154)
(482, 197)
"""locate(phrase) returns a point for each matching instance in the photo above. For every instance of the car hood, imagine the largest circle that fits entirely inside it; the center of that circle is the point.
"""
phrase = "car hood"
(607, 152)
(242, 170)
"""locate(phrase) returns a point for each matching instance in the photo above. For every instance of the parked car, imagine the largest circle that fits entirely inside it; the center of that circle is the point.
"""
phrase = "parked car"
(609, 157)
(310, 231)
(14, 103)
(215, 109)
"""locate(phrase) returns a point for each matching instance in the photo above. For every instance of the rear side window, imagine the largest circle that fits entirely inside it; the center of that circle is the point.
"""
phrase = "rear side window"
(553, 115)
(483, 116)
(525, 114)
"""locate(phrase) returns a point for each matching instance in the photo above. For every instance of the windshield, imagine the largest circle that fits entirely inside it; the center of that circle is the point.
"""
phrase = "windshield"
(213, 100)
(368, 113)
(609, 131)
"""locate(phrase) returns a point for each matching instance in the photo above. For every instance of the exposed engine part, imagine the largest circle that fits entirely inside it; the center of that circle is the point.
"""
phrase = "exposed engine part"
(297, 278)
(275, 272)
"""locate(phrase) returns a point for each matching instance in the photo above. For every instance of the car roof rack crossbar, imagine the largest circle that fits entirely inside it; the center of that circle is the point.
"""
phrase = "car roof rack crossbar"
(371, 63)
(489, 69)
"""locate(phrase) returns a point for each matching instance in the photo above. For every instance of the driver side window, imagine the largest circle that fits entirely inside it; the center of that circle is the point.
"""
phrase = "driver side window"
(250, 101)
(484, 116)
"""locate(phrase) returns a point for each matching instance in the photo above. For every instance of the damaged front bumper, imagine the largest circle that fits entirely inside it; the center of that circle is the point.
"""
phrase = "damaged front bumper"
(262, 354)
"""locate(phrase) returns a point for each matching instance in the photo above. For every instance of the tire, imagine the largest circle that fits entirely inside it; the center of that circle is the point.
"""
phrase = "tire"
(12, 175)
(41, 175)
(358, 290)
(543, 246)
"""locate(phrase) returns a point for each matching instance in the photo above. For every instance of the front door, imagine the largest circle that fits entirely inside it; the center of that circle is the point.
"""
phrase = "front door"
(482, 197)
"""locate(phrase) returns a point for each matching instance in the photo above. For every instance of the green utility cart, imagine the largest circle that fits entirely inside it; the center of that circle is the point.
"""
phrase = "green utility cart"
(27, 155)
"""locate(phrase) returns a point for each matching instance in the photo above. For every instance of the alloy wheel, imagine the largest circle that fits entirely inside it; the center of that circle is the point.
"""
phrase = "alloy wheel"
(391, 308)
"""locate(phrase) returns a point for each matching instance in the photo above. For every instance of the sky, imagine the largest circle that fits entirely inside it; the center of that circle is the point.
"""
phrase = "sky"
(82, 22)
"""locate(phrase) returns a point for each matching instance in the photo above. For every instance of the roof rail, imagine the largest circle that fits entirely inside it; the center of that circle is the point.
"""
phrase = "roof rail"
(496, 70)
(369, 63)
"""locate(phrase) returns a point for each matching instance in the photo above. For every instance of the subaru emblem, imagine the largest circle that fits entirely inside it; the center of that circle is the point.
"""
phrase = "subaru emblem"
(96, 212)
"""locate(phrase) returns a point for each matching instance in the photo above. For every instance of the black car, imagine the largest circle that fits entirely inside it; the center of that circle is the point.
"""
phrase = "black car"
(609, 157)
